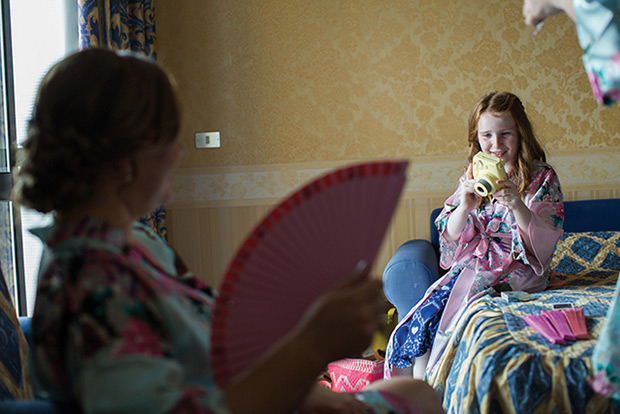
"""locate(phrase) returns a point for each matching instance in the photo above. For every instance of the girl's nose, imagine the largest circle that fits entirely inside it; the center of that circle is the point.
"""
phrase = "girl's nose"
(495, 141)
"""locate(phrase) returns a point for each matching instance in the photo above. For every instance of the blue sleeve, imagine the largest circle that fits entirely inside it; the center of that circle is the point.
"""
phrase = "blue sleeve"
(598, 28)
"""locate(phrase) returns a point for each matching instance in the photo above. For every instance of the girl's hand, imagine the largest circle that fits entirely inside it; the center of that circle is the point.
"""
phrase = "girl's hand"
(468, 200)
(342, 322)
(537, 11)
(339, 324)
(508, 195)
(321, 400)
(469, 197)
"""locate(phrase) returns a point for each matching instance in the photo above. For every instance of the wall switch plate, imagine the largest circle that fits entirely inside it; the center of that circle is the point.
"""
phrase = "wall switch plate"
(207, 139)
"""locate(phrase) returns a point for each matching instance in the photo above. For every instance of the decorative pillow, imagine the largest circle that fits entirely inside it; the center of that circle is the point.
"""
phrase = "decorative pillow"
(587, 258)
(14, 378)
(351, 375)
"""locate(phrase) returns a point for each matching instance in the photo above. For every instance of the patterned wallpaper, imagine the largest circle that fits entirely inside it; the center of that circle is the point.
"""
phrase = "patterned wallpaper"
(297, 87)
(298, 81)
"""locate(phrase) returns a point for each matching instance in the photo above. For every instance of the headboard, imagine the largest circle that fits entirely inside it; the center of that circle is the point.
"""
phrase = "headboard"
(579, 216)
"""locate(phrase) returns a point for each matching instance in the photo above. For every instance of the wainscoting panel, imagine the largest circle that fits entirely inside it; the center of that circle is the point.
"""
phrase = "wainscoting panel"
(208, 237)
(215, 209)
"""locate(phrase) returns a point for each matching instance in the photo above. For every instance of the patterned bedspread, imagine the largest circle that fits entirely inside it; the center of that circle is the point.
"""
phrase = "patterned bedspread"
(496, 363)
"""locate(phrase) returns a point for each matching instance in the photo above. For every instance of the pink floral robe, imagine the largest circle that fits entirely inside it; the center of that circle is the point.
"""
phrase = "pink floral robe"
(490, 255)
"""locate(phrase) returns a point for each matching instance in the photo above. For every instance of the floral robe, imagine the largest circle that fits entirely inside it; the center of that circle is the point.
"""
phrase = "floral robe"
(121, 326)
(111, 320)
(606, 357)
(598, 29)
(490, 254)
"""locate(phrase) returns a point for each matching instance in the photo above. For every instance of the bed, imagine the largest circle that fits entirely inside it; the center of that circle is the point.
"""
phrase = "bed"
(496, 363)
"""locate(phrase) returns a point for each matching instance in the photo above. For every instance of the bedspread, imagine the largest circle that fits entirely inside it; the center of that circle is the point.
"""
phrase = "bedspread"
(496, 363)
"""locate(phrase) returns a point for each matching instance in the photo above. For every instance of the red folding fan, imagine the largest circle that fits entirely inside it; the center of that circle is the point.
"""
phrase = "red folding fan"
(304, 247)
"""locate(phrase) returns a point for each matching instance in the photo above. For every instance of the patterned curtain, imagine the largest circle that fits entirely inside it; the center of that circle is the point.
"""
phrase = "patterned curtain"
(118, 25)
(6, 227)
(122, 25)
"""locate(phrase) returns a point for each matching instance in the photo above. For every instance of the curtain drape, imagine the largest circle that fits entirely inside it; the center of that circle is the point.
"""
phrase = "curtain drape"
(6, 229)
(118, 24)
(122, 25)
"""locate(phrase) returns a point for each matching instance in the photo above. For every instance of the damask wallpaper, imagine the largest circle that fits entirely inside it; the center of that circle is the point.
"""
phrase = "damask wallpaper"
(297, 87)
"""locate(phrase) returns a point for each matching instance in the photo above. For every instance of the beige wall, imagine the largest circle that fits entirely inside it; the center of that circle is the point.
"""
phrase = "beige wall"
(296, 88)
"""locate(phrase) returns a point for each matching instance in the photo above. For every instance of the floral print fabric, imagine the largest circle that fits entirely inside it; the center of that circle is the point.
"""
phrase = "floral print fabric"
(111, 320)
(606, 356)
(386, 403)
(491, 244)
(121, 316)
(489, 256)
(598, 28)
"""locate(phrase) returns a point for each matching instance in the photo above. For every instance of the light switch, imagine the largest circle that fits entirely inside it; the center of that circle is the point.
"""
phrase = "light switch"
(207, 139)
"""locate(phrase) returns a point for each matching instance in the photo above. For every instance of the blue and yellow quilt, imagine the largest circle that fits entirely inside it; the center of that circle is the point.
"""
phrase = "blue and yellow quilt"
(496, 363)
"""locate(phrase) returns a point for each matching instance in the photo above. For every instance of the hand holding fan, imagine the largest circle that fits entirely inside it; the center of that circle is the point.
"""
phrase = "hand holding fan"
(303, 248)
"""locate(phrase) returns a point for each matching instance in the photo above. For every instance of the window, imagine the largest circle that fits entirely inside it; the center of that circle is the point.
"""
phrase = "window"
(35, 34)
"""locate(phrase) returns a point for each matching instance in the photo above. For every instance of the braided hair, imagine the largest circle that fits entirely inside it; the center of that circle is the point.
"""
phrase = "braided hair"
(91, 109)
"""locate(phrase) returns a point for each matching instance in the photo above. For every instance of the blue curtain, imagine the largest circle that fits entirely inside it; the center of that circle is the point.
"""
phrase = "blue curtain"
(122, 25)
(6, 228)
(118, 25)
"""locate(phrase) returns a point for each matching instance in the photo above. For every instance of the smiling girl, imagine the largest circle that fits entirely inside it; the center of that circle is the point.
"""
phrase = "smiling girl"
(491, 244)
